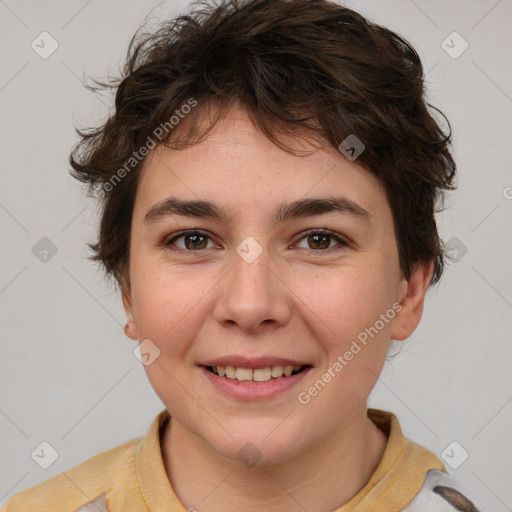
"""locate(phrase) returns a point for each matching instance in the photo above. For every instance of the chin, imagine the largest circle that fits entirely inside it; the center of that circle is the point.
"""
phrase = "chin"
(256, 447)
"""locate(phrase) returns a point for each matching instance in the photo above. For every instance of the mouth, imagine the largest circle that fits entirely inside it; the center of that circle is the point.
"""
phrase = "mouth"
(254, 378)
(264, 374)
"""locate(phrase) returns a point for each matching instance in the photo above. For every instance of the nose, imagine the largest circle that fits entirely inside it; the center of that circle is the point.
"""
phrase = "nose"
(253, 295)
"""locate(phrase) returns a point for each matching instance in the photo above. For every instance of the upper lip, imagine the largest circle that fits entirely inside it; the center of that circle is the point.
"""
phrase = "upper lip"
(252, 363)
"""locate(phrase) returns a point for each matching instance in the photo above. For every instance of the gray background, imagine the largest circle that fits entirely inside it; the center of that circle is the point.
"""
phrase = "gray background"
(68, 375)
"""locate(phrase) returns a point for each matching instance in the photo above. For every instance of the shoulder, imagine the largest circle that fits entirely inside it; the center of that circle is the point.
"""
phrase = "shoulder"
(86, 485)
(439, 494)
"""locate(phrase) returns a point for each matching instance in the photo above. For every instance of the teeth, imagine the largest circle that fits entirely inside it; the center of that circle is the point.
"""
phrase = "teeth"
(261, 374)
(230, 371)
(277, 371)
(243, 374)
(256, 375)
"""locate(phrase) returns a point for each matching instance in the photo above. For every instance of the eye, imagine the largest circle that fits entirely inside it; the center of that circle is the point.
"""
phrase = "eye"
(193, 240)
(320, 240)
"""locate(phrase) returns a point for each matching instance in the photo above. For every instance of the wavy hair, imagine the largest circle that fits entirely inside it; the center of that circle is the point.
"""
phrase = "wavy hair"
(296, 66)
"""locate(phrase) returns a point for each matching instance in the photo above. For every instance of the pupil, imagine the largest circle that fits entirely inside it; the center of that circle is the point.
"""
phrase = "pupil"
(325, 237)
(195, 237)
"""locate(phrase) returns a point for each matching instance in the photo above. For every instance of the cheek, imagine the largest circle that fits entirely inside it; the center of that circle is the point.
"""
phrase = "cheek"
(342, 304)
(169, 305)
(345, 317)
(170, 312)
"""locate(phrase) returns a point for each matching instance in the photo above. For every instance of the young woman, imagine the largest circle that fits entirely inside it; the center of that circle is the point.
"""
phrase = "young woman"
(267, 183)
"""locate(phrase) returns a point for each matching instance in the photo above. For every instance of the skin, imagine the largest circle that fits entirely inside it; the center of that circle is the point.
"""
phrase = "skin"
(296, 300)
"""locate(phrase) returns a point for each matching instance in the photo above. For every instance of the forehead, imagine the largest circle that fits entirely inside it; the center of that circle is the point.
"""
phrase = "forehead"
(237, 165)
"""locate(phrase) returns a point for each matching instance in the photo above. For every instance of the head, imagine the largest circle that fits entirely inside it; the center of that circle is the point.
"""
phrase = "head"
(232, 121)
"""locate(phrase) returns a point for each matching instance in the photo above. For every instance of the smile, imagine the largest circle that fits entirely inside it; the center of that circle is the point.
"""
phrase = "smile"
(259, 383)
(257, 374)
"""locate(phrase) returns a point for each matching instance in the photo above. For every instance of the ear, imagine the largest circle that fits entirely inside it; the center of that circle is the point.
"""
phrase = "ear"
(411, 298)
(130, 328)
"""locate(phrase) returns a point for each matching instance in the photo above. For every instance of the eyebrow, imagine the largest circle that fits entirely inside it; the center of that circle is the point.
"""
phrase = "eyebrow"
(307, 207)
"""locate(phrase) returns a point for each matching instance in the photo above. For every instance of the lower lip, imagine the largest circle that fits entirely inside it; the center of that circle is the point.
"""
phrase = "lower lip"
(250, 390)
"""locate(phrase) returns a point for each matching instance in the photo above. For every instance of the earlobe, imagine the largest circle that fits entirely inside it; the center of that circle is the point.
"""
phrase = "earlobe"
(412, 295)
(130, 329)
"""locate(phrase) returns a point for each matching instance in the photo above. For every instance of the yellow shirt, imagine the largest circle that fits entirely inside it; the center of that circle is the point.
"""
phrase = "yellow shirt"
(132, 478)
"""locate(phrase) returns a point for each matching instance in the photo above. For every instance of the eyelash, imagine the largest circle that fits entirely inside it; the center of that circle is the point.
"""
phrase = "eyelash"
(341, 242)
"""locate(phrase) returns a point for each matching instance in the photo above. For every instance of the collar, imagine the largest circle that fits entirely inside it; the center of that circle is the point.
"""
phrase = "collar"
(400, 473)
(395, 482)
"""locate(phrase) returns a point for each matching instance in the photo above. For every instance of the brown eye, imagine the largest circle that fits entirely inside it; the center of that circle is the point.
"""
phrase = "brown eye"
(192, 241)
(195, 241)
(320, 240)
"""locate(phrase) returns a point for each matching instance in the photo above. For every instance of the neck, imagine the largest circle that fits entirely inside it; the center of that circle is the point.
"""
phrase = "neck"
(324, 478)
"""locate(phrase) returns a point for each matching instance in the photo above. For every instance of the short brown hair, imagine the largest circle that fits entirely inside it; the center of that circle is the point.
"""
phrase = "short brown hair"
(294, 65)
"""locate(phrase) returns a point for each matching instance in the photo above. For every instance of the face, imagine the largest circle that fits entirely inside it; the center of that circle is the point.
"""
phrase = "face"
(272, 275)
